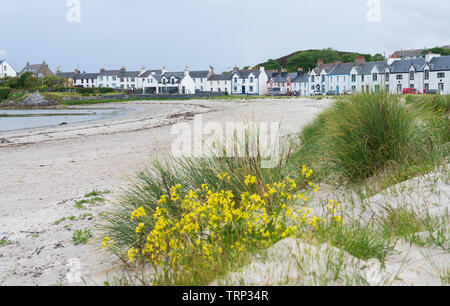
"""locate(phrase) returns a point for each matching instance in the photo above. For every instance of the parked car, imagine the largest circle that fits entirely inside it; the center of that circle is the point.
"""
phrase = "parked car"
(411, 91)
(332, 93)
(316, 93)
(276, 91)
(433, 92)
(347, 92)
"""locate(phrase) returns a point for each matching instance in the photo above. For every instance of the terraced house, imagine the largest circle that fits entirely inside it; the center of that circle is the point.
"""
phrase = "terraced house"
(250, 82)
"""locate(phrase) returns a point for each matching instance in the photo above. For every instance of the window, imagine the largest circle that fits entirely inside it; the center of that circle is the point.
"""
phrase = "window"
(374, 77)
(387, 88)
(114, 78)
(387, 76)
(353, 77)
(362, 78)
(427, 87)
(312, 79)
(399, 77)
(122, 80)
(377, 88)
(427, 74)
(323, 78)
(235, 80)
(411, 75)
(133, 79)
(251, 80)
(441, 75)
(251, 88)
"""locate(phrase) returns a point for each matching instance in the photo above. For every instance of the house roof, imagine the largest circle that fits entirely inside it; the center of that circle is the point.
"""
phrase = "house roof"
(66, 74)
(301, 78)
(409, 53)
(366, 68)
(129, 74)
(81, 76)
(199, 74)
(440, 63)
(33, 68)
(402, 66)
(328, 67)
(342, 68)
(282, 77)
(150, 72)
(110, 73)
(221, 77)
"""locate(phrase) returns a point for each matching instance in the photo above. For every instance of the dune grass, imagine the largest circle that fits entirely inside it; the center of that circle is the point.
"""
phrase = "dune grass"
(366, 135)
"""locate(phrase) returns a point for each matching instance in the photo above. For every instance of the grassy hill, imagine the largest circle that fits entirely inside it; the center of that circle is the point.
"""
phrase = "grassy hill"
(307, 59)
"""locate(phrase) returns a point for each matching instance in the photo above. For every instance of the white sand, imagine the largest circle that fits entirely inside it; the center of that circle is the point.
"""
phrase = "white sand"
(44, 171)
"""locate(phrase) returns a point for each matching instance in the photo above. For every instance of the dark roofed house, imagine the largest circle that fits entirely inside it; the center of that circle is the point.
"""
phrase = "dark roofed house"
(38, 70)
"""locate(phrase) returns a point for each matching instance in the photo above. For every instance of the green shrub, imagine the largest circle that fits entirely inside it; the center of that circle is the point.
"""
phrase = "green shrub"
(4, 92)
(364, 134)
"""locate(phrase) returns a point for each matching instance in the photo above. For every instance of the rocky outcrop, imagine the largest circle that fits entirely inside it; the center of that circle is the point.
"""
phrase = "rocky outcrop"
(33, 100)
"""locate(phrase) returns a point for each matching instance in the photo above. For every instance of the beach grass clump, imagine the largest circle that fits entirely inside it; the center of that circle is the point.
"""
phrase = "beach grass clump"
(81, 236)
(364, 135)
(215, 230)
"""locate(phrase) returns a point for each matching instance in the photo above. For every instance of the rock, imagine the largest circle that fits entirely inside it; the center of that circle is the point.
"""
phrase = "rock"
(33, 100)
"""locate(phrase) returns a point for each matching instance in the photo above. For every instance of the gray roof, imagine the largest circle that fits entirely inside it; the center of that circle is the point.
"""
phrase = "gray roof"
(366, 68)
(110, 73)
(440, 63)
(301, 78)
(66, 74)
(409, 53)
(199, 74)
(221, 77)
(282, 77)
(150, 72)
(343, 68)
(129, 74)
(86, 76)
(32, 68)
(402, 66)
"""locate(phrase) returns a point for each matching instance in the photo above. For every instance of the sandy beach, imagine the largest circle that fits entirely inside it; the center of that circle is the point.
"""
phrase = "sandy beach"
(46, 170)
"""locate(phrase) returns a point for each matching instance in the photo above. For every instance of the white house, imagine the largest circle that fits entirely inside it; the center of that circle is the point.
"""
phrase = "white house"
(220, 83)
(319, 77)
(200, 78)
(436, 73)
(339, 77)
(85, 79)
(175, 82)
(249, 82)
(148, 81)
(282, 80)
(300, 83)
(402, 74)
(108, 78)
(6, 69)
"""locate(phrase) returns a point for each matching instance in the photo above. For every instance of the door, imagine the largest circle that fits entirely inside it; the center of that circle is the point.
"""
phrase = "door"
(337, 89)
(441, 88)
(399, 89)
(243, 90)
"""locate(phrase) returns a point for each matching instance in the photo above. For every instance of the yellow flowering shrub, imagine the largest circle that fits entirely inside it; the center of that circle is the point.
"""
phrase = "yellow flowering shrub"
(215, 223)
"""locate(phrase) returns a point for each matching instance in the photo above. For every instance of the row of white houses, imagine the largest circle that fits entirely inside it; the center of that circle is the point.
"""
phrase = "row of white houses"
(431, 72)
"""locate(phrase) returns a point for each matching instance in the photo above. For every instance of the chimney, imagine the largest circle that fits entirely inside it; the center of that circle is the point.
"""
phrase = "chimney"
(186, 70)
(319, 62)
(430, 56)
(122, 69)
(143, 70)
(77, 71)
(102, 70)
(44, 63)
(300, 71)
(236, 68)
(359, 60)
(164, 70)
(28, 63)
(392, 59)
(261, 68)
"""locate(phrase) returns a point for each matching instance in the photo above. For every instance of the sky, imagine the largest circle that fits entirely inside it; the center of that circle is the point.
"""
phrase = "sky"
(200, 33)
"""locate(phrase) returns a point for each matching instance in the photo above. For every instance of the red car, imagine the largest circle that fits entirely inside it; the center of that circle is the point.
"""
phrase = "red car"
(411, 91)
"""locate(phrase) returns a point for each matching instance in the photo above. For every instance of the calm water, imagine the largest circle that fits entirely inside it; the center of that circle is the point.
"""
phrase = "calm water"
(11, 120)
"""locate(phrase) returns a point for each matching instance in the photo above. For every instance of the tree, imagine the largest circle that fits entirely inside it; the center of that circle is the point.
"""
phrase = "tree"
(378, 58)
(272, 64)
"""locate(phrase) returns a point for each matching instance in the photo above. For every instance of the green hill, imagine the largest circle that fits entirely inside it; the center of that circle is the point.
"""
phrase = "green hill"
(307, 59)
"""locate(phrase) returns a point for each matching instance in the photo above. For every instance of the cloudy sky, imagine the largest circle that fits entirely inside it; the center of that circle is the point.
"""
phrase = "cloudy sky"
(199, 33)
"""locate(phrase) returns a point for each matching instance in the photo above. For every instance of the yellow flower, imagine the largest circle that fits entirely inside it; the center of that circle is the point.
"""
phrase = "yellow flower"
(163, 199)
(250, 180)
(107, 242)
(132, 254)
(223, 176)
(137, 213)
(140, 227)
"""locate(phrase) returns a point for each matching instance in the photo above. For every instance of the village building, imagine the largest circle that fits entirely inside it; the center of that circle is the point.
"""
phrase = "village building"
(249, 82)
(300, 83)
(38, 70)
(220, 83)
(86, 80)
(6, 70)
